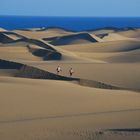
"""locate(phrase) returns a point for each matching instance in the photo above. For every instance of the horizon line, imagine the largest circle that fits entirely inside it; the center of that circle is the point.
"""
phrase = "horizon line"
(74, 16)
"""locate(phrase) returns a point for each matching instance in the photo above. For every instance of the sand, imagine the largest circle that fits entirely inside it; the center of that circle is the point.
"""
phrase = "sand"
(54, 32)
(35, 109)
(39, 108)
(16, 51)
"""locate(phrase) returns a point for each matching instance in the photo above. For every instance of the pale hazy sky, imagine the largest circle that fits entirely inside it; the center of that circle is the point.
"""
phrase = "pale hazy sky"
(71, 7)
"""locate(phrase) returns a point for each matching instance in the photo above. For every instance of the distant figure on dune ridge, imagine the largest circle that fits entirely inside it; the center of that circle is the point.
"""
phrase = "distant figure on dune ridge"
(71, 71)
(58, 70)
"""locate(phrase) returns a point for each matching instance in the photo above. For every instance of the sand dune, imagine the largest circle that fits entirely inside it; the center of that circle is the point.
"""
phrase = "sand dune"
(100, 101)
(131, 33)
(117, 34)
(123, 57)
(2, 30)
(13, 35)
(115, 37)
(4, 38)
(16, 51)
(112, 51)
(111, 46)
(36, 113)
(73, 39)
(114, 74)
(42, 50)
(103, 31)
(8, 37)
(42, 33)
(25, 71)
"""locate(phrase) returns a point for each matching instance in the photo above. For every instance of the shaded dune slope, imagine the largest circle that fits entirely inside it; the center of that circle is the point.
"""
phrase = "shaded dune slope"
(4, 38)
(73, 39)
(45, 54)
(8, 37)
(26, 71)
(46, 51)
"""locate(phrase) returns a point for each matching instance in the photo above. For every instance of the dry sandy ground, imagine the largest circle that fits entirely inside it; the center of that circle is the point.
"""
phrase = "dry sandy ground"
(114, 74)
(42, 33)
(37, 109)
(16, 51)
(33, 109)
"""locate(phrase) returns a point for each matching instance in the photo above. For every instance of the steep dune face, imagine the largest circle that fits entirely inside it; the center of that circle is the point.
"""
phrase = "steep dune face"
(43, 50)
(13, 35)
(4, 38)
(73, 39)
(9, 37)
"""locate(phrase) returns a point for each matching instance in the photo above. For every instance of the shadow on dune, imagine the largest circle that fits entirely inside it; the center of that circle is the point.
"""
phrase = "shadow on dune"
(72, 39)
(46, 53)
(125, 130)
(4, 38)
(9, 65)
(25, 71)
(7, 37)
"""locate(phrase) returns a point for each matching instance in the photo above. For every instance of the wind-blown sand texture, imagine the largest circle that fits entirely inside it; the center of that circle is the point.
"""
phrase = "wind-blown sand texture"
(101, 101)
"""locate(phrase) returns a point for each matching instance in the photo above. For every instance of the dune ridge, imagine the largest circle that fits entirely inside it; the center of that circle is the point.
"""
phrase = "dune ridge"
(47, 53)
(73, 39)
(35, 73)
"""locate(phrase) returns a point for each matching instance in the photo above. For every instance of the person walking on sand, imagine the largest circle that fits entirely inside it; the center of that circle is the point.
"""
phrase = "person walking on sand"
(71, 71)
(58, 70)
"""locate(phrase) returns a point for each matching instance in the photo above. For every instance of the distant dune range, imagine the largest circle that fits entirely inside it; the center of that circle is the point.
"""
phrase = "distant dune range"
(101, 100)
